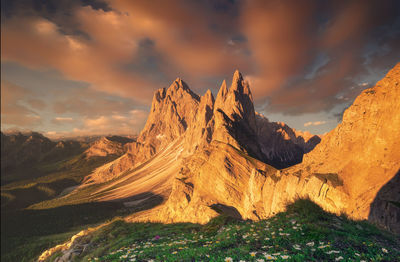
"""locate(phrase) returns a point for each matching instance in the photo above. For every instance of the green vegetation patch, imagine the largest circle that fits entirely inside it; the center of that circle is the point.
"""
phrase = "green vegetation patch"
(304, 233)
(26, 233)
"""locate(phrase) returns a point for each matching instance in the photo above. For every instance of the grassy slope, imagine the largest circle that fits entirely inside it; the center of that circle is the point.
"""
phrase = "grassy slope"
(57, 176)
(26, 232)
(304, 232)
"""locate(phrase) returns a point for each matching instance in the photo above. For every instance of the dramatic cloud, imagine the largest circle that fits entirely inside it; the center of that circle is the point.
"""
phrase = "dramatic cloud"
(279, 34)
(94, 61)
(300, 57)
(308, 54)
(111, 43)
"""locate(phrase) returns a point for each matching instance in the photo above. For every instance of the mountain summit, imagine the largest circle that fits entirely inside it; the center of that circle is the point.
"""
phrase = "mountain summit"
(180, 116)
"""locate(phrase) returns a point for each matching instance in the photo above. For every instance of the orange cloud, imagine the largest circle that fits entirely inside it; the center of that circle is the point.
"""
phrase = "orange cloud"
(279, 38)
(181, 31)
(95, 62)
(182, 37)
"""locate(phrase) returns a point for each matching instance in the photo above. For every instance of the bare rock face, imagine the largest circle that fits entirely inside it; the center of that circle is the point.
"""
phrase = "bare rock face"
(104, 147)
(223, 179)
(222, 148)
(281, 145)
(172, 111)
(364, 149)
(385, 209)
(234, 116)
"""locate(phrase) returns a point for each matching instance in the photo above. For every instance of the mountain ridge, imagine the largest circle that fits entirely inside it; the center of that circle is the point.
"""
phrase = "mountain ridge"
(177, 111)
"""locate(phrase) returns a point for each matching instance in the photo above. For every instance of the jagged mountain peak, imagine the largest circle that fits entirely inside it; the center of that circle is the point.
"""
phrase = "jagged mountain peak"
(240, 86)
(221, 96)
(236, 102)
(208, 98)
(104, 147)
(178, 115)
(179, 89)
(237, 76)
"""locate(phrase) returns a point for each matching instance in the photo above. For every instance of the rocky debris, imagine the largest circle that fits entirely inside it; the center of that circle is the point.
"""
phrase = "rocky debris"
(72, 248)
(251, 188)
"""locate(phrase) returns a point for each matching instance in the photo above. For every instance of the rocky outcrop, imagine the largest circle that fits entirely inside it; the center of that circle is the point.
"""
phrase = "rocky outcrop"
(281, 145)
(222, 148)
(71, 248)
(104, 147)
(364, 149)
(223, 179)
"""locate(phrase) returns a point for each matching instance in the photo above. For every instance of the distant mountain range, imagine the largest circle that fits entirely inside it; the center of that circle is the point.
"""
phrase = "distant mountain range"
(24, 153)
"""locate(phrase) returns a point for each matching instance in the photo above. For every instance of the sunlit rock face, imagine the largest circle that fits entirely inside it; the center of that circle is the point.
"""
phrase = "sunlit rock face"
(172, 111)
(364, 149)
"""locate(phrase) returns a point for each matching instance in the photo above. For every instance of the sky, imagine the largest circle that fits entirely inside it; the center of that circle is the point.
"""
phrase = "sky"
(90, 67)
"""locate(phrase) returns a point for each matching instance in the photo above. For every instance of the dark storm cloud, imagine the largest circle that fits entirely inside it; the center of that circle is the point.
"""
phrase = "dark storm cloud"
(303, 65)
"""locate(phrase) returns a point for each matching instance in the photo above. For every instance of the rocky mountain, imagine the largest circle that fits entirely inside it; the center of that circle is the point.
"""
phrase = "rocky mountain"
(343, 174)
(181, 126)
(23, 149)
(108, 146)
(23, 154)
(178, 114)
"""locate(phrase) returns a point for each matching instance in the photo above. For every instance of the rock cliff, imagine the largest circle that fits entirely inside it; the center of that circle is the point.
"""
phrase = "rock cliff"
(343, 173)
